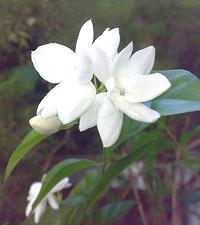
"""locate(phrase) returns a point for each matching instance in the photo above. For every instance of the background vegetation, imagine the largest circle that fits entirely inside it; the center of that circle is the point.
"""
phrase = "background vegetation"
(172, 26)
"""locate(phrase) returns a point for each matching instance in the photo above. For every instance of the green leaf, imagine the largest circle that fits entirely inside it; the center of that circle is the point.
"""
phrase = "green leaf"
(30, 140)
(182, 97)
(109, 175)
(186, 137)
(78, 195)
(113, 211)
(129, 129)
(60, 171)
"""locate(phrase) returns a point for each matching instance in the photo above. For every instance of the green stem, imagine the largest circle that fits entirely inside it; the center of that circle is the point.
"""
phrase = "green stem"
(104, 162)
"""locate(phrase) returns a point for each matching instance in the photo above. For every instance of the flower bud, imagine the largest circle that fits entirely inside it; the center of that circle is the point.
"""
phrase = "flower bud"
(47, 126)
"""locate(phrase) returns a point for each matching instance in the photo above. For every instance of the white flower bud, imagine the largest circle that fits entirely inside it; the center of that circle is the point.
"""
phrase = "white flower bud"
(42, 125)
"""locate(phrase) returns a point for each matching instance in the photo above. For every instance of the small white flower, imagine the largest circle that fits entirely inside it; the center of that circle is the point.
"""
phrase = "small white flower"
(128, 85)
(49, 198)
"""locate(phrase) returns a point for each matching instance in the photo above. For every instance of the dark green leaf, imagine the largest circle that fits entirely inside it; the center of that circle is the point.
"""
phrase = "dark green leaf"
(113, 211)
(109, 175)
(189, 135)
(78, 195)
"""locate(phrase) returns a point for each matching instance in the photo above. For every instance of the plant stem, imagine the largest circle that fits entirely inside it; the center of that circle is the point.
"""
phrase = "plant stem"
(175, 214)
(104, 162)
(137, 197)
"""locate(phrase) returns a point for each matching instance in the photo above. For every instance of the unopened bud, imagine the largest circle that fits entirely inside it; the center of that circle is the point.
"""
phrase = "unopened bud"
(49, 125)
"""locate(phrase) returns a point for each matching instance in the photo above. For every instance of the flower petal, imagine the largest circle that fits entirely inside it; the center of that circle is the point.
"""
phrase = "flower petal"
(109, 123)
(101, 64)
(108, 41)
(89, 118)
(39, 211)
(122, 59)
(74, 100)
(52, 202)
(142, 61)
(137, 111)
(54, 62)
(145, 88)
(29, 208)
(64, 183)
(85, 38)
(46, 126)
(84, 70)
(48, 105)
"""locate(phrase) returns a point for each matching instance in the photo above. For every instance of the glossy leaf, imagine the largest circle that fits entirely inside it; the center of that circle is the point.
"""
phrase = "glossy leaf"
(182, 97)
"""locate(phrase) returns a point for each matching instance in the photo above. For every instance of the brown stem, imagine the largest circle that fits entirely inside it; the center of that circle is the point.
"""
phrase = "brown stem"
(138, 200)
(176, 220)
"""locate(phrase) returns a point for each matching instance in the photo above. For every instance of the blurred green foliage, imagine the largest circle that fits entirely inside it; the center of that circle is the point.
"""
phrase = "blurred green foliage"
(172, 26)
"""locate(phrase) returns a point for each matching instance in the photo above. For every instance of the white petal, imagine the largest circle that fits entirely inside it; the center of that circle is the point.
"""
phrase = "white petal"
(52, 202)
(74, 100)
(84, 70)
(54, 62)
(85, 38)
(101, 64)
(64, 183)
(89, 118)
(142, 61)
(122, 59)
(28, 209)
(145, 88)
(48, 105)
(109, 123)
(39, 211)
(46, 126)
(108, 42)
(137, 111)
(35, 188)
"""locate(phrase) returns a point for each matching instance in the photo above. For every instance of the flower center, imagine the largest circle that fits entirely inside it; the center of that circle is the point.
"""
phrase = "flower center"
(122, 91)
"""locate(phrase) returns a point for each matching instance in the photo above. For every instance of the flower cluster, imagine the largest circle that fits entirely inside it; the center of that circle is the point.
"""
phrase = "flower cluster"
(126, 77)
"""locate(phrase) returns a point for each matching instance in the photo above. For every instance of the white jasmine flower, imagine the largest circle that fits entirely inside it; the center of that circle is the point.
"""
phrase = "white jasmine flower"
(129, 84)
(71, 71)
(47, 126)
(49, 198)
